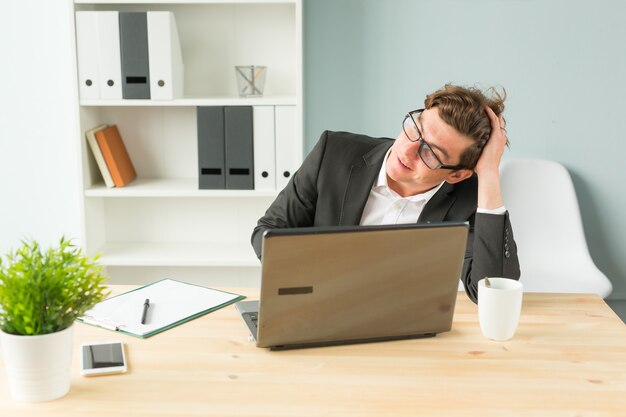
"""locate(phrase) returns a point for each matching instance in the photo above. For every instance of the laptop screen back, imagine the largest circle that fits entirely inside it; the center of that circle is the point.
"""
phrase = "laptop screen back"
(332, 285)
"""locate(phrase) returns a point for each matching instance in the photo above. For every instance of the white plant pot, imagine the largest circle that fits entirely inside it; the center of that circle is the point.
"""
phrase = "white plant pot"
(38, 367)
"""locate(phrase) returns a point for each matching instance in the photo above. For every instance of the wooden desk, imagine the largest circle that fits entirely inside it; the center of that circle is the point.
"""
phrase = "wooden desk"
(568, 358)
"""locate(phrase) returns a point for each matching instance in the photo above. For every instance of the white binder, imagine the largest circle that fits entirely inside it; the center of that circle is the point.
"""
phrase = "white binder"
(109, 55)
(165, 57)
(87, 54)
(264, 149)
(286, 150)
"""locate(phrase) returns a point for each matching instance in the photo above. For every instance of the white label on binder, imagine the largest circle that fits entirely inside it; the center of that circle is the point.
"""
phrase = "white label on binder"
(87, 54)
(109, 60)
(164, 57)
(264, 149)
(286, 156)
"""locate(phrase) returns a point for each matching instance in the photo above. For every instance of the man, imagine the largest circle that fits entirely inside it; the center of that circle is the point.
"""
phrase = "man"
(443, 166)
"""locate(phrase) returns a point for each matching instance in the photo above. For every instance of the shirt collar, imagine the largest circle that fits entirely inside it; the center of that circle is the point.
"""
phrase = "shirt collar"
(382, 186)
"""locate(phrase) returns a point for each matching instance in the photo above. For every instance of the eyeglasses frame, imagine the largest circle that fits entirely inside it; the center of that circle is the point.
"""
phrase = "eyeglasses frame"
(420, 139)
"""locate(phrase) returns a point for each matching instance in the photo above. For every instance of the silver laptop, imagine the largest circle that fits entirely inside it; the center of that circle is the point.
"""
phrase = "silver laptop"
(352, 284)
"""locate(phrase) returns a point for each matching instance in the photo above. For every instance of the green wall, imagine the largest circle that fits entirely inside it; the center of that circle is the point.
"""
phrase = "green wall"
(563, 63)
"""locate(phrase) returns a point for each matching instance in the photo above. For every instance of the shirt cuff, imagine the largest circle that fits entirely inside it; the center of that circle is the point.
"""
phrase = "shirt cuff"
(499, 210)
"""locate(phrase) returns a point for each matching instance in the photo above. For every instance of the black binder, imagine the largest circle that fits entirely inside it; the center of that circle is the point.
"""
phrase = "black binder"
(134, 55)
(211, 155)
(239, 147)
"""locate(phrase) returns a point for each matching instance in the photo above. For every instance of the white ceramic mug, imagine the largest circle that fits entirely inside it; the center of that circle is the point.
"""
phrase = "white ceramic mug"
(499, 307)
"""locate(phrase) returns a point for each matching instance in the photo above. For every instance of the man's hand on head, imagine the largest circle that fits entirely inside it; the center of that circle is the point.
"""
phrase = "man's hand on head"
(488, 166)
(489, 161)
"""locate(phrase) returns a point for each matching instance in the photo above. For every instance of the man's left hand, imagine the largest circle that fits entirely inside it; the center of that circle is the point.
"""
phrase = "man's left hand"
(488, 166)
(489, 161)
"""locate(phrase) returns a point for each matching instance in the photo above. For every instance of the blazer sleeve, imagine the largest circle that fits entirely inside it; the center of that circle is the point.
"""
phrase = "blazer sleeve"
(491, 252)
(296, 204)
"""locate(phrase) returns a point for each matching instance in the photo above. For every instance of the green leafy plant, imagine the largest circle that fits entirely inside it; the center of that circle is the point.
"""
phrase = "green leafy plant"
(45, 291)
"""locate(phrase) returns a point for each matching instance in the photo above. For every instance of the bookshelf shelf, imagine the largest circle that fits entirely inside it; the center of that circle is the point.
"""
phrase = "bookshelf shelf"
(163, 188)
(184, 2)
(195, 101)
(161, 224)
(218, 254)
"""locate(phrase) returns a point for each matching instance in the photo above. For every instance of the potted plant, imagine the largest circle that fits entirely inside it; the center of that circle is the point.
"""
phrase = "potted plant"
(42, 292)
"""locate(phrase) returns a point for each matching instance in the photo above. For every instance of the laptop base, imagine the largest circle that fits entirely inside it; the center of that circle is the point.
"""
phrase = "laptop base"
(351, 341)
(249, 312)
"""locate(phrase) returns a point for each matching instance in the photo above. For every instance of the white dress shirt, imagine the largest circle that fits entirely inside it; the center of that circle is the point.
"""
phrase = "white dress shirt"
(385, 206)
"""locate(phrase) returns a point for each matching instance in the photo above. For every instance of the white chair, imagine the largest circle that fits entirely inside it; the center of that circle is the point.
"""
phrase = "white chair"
(547, 227)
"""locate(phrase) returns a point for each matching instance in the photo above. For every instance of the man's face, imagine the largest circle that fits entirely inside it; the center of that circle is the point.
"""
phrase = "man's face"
(406, 172)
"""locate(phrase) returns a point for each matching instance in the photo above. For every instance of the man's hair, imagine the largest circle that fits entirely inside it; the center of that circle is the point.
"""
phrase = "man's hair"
(463, 108)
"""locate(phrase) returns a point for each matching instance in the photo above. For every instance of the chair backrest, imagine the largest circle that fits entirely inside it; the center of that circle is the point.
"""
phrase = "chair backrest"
(548, 230)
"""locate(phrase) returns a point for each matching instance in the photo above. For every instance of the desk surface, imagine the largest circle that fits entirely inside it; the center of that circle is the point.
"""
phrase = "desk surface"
(568, 358)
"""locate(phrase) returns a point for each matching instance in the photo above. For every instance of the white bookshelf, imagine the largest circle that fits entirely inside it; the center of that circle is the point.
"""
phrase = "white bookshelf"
(161, 224)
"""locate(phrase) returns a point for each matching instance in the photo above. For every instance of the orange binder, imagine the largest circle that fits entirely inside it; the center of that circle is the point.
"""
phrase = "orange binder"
(115, 154)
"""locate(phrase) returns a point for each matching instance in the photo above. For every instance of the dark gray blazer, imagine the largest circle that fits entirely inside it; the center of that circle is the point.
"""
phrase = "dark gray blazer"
(333, 185)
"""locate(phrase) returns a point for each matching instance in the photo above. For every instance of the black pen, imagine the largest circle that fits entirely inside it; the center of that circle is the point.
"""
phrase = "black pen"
(146, 305)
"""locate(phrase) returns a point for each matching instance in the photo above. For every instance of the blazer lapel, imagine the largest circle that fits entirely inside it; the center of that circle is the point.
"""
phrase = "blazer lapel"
(363, 173)
(439, 205)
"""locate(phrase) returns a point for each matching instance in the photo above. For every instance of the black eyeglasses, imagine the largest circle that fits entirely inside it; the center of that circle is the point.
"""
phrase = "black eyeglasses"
(414, 134)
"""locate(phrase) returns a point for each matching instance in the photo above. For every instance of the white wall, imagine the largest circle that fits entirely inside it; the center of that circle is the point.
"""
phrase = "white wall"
(39, 186)
(563, 62)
